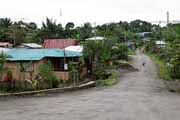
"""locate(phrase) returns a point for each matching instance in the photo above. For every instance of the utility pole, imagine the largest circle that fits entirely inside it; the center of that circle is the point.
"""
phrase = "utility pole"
(60, 12)
(95, 29)
(64, 51)
(167, 17)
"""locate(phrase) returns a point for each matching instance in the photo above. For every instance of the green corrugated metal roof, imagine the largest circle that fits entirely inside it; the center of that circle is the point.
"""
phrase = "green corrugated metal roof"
(38, 54)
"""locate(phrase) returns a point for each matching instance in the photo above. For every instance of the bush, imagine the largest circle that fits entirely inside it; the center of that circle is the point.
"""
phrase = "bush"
(171, 55)
(45, 71)
(111, 80)
(106, 82)
(168, 60)
(120, 51)
(131, 52)
(164, 71)
(175, 62)
(53, 81)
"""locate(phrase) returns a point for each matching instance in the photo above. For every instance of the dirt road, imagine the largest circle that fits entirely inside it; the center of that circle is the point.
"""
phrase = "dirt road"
(138, 96)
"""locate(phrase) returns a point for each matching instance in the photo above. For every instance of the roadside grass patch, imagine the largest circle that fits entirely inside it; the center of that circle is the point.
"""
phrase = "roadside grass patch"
(109, 81)
(164, 72)
(131, 52)
(1, 92)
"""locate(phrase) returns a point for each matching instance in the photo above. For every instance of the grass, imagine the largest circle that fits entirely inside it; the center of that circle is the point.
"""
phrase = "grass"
(131, 52)
(110, 81)
(1, 92)
(164, 72)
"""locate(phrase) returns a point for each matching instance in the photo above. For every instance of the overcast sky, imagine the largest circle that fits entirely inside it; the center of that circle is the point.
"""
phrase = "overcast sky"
(80, 11)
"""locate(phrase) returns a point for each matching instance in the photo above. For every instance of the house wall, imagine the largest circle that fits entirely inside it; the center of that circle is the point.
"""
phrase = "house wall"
(18, 75)
(64, 75)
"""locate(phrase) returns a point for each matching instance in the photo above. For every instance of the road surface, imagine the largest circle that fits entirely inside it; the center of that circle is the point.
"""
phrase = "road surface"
(138, 96)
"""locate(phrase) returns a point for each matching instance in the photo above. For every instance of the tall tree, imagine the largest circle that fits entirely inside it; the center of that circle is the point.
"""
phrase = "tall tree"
(5, 23)
(69, 26)
(18, 32)
(140, 26)
(85, 31)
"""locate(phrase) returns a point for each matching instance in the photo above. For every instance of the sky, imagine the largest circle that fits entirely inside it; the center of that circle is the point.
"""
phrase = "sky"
(93, 11)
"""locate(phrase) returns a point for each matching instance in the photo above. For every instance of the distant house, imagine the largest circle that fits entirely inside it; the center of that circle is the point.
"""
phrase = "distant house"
(5, 45)
(144, 34)
(160, 44)
(130, 44)
(96, 38)
(59, 43)
(29, 46)
(30, 59)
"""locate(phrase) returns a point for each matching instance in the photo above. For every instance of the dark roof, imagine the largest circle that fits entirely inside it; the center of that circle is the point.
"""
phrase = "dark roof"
(59, 43)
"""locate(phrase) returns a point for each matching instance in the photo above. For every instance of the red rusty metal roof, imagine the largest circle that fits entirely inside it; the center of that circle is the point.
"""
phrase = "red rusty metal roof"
(59, 43)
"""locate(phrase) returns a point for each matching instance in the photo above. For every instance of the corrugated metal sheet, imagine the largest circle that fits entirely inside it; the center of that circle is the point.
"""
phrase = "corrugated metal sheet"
(59, 43)
(4, 50)
(77, 48)
(32, 45)
(38, 54)
(96, 38)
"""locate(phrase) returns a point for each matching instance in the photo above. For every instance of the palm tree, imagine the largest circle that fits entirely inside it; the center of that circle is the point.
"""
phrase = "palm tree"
(69, 25)
(18, 32)
(5, 22)
(50, 29)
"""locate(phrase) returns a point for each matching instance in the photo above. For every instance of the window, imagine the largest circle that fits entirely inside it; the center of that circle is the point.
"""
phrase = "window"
(58, 63)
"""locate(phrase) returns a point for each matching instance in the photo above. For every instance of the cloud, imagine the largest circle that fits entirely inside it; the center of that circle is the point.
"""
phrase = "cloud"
(80, 11)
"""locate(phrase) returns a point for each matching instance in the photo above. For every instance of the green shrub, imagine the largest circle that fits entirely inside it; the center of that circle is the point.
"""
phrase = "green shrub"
(164, 71)
(175, 65)
(171, 56)
(33, 84)
(46, 72)
(114, 75)
(53, 81)
(120, 51)
(131, 52)
(109, 81)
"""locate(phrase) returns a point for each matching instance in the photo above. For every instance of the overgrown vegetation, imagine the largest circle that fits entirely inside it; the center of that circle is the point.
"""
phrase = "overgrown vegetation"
(46, 74)
(167, 57)
(164, 71)
(23, 32)
(99, 56)
(111, 80)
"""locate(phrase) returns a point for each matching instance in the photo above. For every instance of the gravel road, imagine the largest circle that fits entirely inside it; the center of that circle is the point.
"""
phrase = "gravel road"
(138, 96)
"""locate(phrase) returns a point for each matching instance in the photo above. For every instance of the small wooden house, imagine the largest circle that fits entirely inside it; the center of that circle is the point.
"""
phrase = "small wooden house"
(29, 60)
(160, 44)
